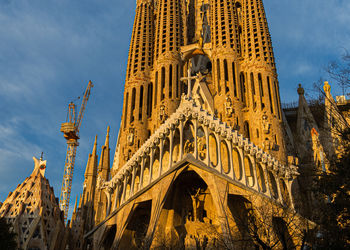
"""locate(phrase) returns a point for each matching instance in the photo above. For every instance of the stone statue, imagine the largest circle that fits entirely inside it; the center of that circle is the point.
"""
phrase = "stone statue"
(229, 107)
(130, 137)
(162, 113)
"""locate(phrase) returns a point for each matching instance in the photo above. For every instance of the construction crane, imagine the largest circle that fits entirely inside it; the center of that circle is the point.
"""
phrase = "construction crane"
(70, 131)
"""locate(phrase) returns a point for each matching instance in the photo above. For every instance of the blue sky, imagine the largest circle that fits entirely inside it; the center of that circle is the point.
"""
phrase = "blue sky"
(49, 50)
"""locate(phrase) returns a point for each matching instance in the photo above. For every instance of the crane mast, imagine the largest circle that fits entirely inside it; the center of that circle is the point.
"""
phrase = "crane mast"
(70, 131)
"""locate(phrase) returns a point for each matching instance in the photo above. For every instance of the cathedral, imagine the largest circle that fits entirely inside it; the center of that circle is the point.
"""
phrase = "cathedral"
(206, 156)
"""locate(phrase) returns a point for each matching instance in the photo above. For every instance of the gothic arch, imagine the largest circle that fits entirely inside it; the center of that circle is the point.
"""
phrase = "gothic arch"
(166, 155)
(176, 146)
(273, 185)
(213, 150)
(134, 234)
(202, 143)
(237, 163)
(156, 164)
(261, 178)
(188, 138)
(249, 172)
(225, 157)
(146, 172)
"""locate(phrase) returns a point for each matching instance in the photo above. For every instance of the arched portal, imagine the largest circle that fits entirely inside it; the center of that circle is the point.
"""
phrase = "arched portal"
(187, 216)
(108, 237)
(136, 229)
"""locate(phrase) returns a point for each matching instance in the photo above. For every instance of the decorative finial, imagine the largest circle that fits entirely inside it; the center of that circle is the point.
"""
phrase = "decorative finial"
(327, 87)
(42, 155)
(107, 137)
(301, 91)
(95, 146)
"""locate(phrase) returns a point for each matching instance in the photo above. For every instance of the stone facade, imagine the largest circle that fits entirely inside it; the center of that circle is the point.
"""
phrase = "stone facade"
(204, 147)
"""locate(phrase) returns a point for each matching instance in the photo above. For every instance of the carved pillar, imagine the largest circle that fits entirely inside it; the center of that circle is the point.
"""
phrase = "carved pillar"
(117, 189)
(256, 183)
(280, 199)
(161, 147)
(142, 172)
(241, 156)
(219, 166)
(231, 174)
(133, 180)
(207, 141)
(289, 188)
(171, 141)
(195, 139)
(125, 182)
(267, 181)
(181, 139)
(151, 166)
(108, 193)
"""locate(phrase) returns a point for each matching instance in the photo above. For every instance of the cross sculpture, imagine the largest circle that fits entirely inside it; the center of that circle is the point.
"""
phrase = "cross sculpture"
(189, 79)
(198, 77)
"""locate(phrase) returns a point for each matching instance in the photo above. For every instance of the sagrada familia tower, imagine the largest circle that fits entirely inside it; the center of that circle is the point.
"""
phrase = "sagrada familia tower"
(205, 158)
(201, 132)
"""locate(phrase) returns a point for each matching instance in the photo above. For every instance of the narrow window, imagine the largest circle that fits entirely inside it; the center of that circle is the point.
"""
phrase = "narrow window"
(234, 79)
(246, 130)
(126, 108)
(177, 81)
(270, 94)
(141, 103)
(218, 73)
(243, 89)
(261, 90)
(226, 75)
(149, 99)
(162, 90)
(133, 97)
(253, 89)
(277, 101)
(155, 89)
(170, 81)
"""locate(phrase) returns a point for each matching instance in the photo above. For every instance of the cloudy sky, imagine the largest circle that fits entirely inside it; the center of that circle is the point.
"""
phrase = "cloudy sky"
(49, 50)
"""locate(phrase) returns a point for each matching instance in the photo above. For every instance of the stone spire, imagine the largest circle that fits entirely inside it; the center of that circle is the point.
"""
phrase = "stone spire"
(305, 124)
(100, 204)
(104, 165)
(90, 176)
